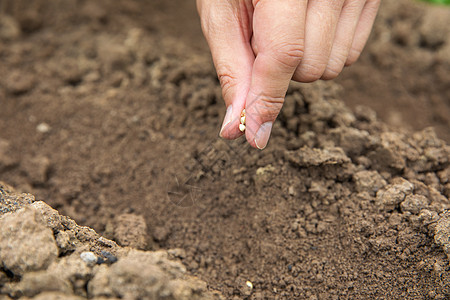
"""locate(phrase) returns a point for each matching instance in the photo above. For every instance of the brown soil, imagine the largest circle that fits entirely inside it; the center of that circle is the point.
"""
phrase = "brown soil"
(110, 110)
(47, 256)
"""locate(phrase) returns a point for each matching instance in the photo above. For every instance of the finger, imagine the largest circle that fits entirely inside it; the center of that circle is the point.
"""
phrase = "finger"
(321, 21)
(278, 30)
(226, 26)
(345, 31)
(363, 30)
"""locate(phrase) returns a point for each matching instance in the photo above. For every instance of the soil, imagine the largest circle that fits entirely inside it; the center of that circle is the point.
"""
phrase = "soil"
(48, 256)
(110, 112)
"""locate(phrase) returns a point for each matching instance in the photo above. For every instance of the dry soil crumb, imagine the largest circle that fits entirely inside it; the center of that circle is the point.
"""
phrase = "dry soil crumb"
(30, 266)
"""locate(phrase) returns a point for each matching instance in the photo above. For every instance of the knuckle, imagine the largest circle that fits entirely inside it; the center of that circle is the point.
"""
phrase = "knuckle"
(270, 106)
(334, 68)
(336, 5)
(331, 73)
(310, 72)
(353, 7)
(266, 106)
(289, 54)
(227, 81)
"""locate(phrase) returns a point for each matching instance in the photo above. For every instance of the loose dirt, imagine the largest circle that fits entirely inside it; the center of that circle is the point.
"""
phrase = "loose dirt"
(110, 113)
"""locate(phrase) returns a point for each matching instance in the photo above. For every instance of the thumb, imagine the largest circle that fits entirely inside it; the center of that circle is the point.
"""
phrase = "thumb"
(278, 34)
(226, 26)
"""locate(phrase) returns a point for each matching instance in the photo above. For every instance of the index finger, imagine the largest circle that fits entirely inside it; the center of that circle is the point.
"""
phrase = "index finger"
(278, 29)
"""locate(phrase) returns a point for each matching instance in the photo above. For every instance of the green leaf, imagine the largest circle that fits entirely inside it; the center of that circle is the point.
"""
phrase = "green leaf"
(445, 2)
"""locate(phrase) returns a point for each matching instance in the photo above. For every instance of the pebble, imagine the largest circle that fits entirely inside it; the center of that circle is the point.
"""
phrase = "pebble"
(43, 128)
(249, 284)
(100, 261)
(89, 257)
(111, 258)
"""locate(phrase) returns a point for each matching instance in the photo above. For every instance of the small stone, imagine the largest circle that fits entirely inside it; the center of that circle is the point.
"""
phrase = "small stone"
(100, 261)
(110, 257)
(43, 128)
(89, 257)
(249, 284)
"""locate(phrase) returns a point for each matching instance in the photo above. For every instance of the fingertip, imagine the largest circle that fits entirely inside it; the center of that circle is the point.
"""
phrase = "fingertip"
(262, 135)
(230, 128)
(261, 113)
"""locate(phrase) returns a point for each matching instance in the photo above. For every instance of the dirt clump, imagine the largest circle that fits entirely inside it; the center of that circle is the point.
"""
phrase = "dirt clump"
(129, 230)
(27, 244)
(37, 262)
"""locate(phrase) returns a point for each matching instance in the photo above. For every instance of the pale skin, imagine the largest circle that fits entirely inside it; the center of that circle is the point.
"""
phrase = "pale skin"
(259, 46)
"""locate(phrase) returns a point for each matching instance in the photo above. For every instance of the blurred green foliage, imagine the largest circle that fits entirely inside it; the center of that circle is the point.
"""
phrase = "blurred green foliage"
(447, 2)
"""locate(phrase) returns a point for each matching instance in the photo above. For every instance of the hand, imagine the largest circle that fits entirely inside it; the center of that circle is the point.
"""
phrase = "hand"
(258, 46)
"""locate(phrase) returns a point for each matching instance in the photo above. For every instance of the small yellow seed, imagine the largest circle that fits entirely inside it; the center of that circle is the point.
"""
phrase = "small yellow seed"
(249, 284)
(242, 125)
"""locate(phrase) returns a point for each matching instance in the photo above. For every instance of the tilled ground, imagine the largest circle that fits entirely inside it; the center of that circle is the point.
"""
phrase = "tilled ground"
(48, 256)
(112, 120)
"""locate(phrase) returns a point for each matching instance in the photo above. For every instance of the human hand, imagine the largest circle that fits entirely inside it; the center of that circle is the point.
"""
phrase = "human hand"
(258, 46)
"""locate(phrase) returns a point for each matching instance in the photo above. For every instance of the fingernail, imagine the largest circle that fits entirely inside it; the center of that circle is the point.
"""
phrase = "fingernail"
(227, 119)
(263, 134)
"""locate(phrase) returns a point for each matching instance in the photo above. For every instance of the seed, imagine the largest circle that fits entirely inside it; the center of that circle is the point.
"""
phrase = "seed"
(249, 284)
(242, 125)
